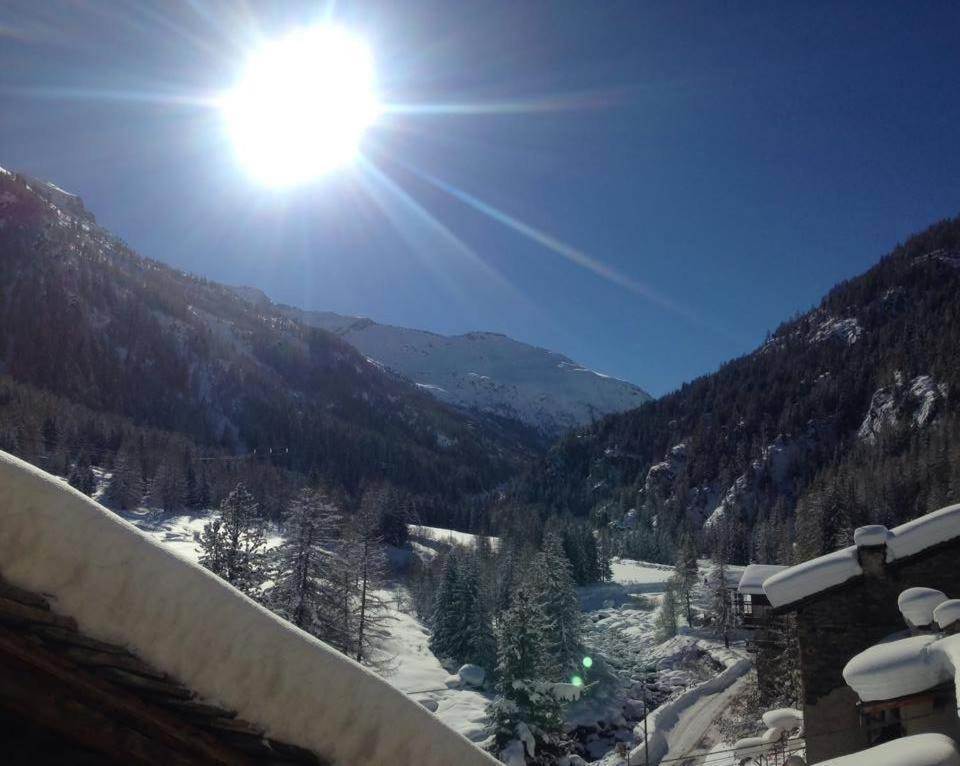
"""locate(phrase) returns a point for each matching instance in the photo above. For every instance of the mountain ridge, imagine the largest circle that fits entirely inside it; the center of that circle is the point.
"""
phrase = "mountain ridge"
(480, 370)
(847, 414)
(87, 319)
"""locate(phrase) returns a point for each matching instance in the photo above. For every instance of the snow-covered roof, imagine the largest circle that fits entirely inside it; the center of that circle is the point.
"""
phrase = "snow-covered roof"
(784, 719)
(894, 669)
(918, 750)
(812, 576)
(751, 581)
(819, 574)
(780, 723)
(925, 532)
(122, 587)
(917, 605)
(947, 613)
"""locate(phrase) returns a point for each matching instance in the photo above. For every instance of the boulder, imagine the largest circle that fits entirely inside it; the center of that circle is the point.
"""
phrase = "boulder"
(472, 675)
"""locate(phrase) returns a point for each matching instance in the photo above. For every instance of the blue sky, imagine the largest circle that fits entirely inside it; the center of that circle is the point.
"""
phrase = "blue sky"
(727, 162)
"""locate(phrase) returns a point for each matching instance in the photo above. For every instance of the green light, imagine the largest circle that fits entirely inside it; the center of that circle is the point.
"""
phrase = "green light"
(588, 662)
(576, 681)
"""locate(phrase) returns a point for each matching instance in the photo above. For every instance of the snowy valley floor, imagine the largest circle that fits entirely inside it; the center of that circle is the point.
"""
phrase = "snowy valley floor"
(690, 679)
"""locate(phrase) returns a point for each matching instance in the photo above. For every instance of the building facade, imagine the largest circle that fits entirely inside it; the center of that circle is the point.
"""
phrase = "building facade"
(844, 603)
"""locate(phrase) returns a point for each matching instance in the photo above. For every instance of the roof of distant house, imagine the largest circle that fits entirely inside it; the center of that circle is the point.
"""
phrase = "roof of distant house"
(751, 581)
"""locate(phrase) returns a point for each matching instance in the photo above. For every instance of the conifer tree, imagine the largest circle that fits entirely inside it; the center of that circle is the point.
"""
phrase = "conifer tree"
(722, 611)
(687, 574)
(506, 578)
(232, 544)
(604, 556)
(462, 620)
(478, 644)
(666, 620)
(524, 700)
(553, 588)
(302, 592)
(446, 619)
(124, 490)
(81, 476)
(364, 557)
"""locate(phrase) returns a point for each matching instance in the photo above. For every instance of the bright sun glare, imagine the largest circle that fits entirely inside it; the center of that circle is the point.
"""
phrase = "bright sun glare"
(302, 105)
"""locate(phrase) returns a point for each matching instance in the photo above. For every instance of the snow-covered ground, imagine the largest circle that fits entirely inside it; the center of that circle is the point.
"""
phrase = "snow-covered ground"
(631, 664)
(686, 681)
(415, 670)
(178, 533)
(410, 666)
(175, 532)
(426, 535)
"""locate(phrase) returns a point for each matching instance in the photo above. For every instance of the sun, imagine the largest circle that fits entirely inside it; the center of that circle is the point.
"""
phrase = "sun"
(302, 105)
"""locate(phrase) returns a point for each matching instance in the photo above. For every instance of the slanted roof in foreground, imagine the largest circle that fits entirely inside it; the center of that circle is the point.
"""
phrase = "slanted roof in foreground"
(65, 697)
(124, 589)
(834, 569)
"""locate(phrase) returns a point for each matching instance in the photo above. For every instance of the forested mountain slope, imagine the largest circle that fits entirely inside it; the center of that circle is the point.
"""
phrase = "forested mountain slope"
(846, 414)
(84, 318)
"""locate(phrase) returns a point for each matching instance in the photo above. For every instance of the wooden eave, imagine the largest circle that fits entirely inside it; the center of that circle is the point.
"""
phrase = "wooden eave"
(107, 700)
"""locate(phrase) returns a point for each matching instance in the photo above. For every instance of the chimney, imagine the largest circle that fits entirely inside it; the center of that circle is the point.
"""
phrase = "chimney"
(871, 542)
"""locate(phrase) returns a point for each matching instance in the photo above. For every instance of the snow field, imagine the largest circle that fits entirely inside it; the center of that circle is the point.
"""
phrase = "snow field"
(427, 534)
(620, 619)
(416, 672)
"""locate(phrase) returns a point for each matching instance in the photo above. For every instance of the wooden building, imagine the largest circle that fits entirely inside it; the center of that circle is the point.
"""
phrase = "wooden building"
(844, 603)
(751, 605)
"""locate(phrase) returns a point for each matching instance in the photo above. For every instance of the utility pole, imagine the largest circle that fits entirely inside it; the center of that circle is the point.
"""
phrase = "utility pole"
(646, 744)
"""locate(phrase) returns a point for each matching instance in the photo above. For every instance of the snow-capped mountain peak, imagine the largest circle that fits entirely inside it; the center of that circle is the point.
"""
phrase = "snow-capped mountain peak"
(484, 371)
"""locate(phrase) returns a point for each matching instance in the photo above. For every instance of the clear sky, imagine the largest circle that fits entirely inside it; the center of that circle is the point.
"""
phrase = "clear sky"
(716, 166)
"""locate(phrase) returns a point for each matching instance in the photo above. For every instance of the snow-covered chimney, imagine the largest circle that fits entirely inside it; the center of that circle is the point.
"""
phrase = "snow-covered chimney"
(918, 605)
(871, 542)
(947, 616)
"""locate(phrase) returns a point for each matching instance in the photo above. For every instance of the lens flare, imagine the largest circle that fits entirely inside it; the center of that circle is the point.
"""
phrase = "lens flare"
(588, 662)
(302, 105)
